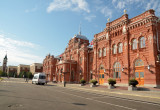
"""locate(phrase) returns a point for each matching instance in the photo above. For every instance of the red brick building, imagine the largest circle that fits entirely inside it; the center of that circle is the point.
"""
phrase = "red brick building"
(49, 67)
(129, 48)
(74, 61)
(126, 48)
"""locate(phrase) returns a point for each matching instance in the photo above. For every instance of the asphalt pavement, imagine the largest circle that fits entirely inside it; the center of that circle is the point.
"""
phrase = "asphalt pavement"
(16, 94)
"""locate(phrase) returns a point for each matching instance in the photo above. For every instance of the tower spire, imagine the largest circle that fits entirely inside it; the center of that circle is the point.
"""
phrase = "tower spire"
(80, 29)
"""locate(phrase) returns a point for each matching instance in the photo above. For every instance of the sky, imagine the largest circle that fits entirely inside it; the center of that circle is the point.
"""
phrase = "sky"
(31, 29)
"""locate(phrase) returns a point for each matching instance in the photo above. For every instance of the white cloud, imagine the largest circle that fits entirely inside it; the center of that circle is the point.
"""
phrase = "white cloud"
(19, 52)
(73, 5)
(107, 12)
(153, 4)
(121, 4)
(32, 10)
(89, 17)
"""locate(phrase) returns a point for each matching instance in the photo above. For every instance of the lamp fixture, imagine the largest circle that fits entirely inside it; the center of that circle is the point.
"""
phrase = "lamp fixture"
(122, 69)
(148, 67)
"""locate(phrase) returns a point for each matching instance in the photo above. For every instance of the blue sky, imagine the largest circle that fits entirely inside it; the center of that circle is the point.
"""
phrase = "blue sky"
(30, 29)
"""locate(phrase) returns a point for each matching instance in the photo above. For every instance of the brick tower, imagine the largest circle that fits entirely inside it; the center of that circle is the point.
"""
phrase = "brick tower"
(5, 64)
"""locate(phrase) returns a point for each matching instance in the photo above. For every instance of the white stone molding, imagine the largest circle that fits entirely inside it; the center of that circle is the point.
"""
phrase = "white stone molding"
(124, 29)
(150, 39)
(107, 36)
(125, 45)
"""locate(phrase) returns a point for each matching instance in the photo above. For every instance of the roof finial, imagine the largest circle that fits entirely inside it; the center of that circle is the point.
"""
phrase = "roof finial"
(125, 11)
(80, 29)
(108, 20)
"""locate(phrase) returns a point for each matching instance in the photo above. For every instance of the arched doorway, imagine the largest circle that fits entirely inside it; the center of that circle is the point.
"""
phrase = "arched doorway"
(101, 74)
(139, 71)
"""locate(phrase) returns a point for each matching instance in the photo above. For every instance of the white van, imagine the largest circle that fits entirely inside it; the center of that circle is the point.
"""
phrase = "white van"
(39, 78)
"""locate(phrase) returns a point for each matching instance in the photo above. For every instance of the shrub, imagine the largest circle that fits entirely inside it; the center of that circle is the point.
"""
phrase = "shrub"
(111, 81)
(82, 81)
(93, 81)
(30, 76)
(133, 82)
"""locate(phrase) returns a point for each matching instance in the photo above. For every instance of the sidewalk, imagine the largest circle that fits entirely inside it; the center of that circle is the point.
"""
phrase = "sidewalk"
(144, 94)
(101, 87)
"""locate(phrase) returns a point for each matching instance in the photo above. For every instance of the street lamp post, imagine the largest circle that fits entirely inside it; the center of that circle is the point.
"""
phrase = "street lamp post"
(64, 79)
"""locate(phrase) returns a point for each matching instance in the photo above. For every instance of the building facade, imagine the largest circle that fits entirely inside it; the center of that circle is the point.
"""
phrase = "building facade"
(49, 67)
(129, 48)
(126, 48)
(12, 70)
(36, 67)
(23, 68)
(74, 62)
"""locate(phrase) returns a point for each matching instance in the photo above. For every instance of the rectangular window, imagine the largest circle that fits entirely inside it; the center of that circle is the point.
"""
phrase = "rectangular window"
(102, 75)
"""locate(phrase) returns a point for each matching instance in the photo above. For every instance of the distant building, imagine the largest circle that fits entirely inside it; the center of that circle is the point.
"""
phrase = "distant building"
(12, 70)
(4, 65)
(1, 68)
(23, 68)
(36, 67)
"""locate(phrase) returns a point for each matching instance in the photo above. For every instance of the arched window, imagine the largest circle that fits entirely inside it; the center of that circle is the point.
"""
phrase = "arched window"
(99, 53)
(138, 62)
(134, 44)
(104, 51)
(142, 42)
(101, 67)
(114, 49)
(120, 48)
(117, 70)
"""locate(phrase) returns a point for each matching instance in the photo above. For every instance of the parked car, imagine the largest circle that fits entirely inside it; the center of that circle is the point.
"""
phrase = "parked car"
(39, 78)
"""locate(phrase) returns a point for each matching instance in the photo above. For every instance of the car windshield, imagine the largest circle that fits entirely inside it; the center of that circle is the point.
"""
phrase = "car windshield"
(42, 77)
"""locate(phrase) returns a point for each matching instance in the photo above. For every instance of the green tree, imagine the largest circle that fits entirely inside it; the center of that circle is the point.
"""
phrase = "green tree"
(30, 76)
(0, 73)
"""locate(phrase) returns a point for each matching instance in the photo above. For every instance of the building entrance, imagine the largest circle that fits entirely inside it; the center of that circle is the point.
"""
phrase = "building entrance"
(139, 72)
(101, 77)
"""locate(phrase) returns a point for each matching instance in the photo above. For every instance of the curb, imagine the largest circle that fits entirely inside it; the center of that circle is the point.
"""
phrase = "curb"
(109, 91)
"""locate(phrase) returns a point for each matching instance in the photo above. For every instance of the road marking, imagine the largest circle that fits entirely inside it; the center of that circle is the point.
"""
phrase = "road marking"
(103, 96)
(98, 101)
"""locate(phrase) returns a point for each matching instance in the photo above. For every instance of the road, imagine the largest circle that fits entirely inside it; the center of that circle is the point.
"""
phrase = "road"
(15, 94)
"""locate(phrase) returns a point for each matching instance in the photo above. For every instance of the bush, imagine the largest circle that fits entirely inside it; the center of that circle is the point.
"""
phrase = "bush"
(111, 81)
(133, 82)
(82, 81)
(3, 74)
(93, 81)
(30, 76)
